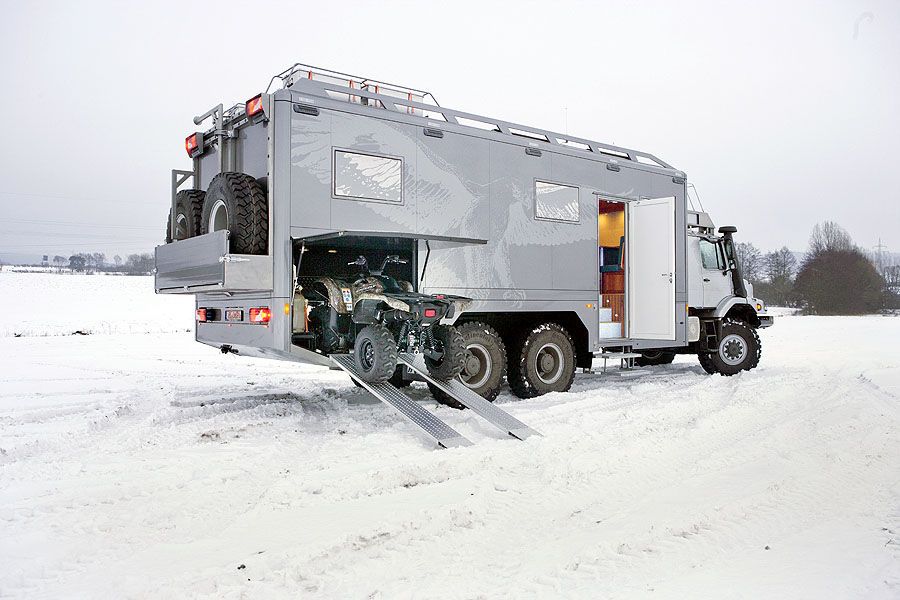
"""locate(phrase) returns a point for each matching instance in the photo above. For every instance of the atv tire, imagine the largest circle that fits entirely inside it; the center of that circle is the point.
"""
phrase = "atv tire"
(454, 348)
(236, 202)
(375, 354)
(188, 215)
(543, 361)
(649, 359)
(739, 350)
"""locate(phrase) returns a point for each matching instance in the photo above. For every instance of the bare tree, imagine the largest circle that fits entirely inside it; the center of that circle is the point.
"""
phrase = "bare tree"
(828, 235)
(76, 262)
(780, 265)
(99, 259)
(751, 260)
(118, 260)
(59, 261)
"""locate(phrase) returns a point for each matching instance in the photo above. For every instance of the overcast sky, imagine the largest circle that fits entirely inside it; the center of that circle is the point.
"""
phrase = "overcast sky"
(782, 114)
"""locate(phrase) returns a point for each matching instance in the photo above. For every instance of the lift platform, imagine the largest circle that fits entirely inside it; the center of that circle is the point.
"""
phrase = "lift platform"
(430, 425)
(488, 411)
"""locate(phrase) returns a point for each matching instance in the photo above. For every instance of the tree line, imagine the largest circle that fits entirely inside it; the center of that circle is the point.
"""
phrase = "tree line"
(834, 276)
(93, 262)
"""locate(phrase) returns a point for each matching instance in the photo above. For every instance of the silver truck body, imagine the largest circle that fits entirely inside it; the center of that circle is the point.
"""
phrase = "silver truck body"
(461, 193)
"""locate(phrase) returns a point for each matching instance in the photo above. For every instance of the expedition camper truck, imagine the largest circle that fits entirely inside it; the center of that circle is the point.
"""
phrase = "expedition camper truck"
(337, 204)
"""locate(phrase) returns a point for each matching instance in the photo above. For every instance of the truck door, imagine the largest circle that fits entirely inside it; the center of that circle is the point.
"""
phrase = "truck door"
(716, 280)
(651, 270)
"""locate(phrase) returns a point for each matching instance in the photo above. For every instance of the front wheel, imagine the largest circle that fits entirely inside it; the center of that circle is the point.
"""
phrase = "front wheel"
(739, 350)
(375, 354)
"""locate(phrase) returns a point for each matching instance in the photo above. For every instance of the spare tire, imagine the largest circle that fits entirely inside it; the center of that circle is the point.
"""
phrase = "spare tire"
(236, 202)
(188, 214)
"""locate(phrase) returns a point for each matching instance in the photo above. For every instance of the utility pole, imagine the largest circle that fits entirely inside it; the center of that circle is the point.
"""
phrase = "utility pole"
(879, 254)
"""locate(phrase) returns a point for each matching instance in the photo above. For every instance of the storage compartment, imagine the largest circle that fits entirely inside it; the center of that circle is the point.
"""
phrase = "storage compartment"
(204, 264)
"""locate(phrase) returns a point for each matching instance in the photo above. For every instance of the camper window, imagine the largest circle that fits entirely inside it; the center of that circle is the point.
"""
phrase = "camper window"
(368, 177)
(555, 202)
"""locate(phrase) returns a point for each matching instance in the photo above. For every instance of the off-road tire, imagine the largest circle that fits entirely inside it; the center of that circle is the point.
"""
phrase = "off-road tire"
(550, 344)
(246, 209)
(482, 339)
(451, 363)
(649, 359)
(189, 205)
(742, 342)
(375, 353)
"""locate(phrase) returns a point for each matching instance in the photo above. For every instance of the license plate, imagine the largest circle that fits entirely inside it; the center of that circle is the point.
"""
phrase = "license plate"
(234, 314)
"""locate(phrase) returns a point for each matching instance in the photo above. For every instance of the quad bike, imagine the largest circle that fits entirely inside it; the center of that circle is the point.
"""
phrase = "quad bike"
(379, 317)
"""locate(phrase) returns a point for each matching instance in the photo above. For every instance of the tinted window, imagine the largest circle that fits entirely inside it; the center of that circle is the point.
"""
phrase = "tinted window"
(368, 177)
(709, 255)
(555, 201)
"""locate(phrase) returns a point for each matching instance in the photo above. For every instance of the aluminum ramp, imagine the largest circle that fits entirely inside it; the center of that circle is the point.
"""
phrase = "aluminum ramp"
(457, 390)
(434, 428)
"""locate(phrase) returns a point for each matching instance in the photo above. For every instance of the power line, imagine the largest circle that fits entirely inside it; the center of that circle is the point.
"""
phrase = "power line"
(75, 223)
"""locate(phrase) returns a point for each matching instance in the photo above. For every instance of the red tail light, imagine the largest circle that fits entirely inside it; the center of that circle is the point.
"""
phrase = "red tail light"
(201, 315)
(262, 314)
(193, 144)
(430, 313)
(254, 106)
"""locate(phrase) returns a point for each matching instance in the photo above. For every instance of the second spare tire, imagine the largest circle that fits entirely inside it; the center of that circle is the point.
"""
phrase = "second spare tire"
(236, 202)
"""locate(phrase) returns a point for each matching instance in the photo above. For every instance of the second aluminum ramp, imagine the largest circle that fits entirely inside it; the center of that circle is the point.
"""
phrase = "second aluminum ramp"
(434, 428)
(488, 411)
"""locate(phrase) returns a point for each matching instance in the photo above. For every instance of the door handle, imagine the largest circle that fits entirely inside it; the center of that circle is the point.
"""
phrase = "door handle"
(706, 279)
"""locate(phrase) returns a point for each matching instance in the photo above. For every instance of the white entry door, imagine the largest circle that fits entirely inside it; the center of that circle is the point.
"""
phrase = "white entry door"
(650, 263)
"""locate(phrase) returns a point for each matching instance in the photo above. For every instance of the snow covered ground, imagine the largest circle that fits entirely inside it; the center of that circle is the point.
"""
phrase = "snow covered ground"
(135, 462)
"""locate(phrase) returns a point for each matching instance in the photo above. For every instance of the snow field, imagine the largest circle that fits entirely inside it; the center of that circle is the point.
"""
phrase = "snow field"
(147, 465)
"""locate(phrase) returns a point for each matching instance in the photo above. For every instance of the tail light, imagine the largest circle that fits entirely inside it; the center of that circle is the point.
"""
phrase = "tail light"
(261, 315)
(430, 313)
(201, 315)
(193, 144)
(254, 106)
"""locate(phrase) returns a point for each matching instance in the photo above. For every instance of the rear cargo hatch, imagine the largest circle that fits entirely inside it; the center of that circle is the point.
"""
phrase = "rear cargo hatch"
(204, 264)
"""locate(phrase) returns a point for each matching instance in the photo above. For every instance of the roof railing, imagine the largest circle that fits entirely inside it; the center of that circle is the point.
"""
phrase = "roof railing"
(397, 98)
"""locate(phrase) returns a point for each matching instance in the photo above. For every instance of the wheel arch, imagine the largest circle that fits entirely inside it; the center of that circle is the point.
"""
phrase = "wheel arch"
(510, 325)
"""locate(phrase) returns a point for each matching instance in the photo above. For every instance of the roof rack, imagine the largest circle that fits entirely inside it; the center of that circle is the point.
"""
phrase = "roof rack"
(301, 71)
(398, 98)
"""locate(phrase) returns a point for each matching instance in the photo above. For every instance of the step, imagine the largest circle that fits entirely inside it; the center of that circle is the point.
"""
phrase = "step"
(455, 388)
(430, 425)
(620, 355)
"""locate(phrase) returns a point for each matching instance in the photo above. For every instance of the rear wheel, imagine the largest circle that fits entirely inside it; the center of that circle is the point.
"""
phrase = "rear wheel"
(188, 215)
(454, 350)
(739, 350)
(660, 357)
(236, 202)
(543, 362)
(375, 353)
(484, 365)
